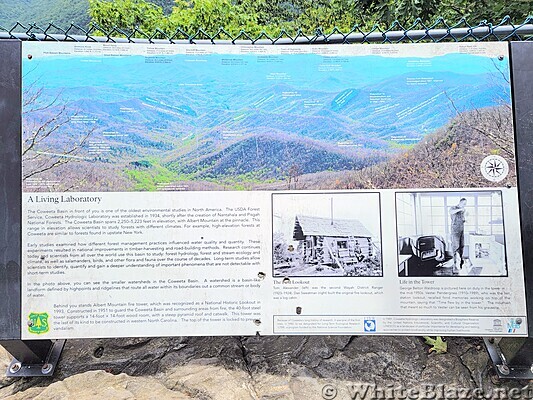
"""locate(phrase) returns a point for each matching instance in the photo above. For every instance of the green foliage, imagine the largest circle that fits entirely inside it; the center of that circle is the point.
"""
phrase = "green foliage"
(166, 5)
(327, 15)
(255, 16)
(141, 164)
(490, 10)
(199, 14)
(437, 345)
(148, 179)
(42, 12)
(272, 16)
(126, 14)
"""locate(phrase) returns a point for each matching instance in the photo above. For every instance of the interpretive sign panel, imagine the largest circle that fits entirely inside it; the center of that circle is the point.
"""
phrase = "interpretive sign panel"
(241, 190)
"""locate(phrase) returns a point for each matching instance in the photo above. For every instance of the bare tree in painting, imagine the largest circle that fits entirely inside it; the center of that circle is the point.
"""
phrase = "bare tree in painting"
(46, 144)
(495, 123)
(294, 174)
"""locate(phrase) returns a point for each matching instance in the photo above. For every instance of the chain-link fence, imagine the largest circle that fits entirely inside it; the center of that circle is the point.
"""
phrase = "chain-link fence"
(439, 31)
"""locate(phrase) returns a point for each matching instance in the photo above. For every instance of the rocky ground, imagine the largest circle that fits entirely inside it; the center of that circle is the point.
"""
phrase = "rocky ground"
(269, 368)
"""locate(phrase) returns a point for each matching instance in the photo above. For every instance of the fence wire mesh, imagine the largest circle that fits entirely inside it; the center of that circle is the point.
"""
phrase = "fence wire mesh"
(438, 31)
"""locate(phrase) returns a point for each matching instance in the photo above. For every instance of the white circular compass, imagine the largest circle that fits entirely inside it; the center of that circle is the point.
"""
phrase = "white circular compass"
(494, 168)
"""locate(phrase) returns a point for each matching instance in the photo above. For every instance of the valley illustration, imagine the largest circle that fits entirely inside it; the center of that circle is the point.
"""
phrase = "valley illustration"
(144, 118)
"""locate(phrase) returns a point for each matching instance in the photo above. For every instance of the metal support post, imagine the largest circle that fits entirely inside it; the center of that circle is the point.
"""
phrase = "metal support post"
(512, 357)
(33, 357)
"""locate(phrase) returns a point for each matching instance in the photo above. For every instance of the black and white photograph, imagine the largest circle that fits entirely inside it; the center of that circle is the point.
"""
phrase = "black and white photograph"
(451, 234)
(326, 234)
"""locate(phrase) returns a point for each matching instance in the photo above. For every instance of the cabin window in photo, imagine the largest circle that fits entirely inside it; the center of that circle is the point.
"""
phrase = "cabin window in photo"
(342, 244)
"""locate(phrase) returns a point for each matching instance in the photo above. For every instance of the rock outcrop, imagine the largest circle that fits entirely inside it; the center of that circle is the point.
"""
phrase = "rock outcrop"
(274, 367)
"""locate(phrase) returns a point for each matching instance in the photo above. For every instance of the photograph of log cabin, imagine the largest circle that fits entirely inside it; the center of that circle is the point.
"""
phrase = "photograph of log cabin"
(326, 235)
(451, 234)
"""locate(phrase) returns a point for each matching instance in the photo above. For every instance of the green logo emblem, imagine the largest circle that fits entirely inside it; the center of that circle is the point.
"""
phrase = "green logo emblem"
(38, 323)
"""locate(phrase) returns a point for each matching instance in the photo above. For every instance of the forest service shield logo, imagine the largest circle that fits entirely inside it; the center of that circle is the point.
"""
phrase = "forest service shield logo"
(38, 323)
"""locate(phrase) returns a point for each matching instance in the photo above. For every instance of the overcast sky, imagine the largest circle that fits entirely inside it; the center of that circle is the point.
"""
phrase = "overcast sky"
(361, 206)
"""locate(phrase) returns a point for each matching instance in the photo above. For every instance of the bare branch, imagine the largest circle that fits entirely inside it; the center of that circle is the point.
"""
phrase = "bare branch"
(44, 131)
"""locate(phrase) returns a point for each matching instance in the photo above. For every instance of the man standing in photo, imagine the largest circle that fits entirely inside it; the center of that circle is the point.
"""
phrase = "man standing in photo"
(457, 214)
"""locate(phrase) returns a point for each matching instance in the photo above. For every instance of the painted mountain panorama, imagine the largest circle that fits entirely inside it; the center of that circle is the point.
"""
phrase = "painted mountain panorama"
(113, 118)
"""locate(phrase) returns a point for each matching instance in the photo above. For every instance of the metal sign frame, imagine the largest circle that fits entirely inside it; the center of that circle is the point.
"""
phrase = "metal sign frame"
(39, 357)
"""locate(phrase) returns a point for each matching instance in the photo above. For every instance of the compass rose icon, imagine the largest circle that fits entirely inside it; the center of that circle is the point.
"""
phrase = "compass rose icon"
(494, 168)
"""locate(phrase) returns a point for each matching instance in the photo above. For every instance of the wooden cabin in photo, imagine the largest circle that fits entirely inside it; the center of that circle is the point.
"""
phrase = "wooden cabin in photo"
(337, 242)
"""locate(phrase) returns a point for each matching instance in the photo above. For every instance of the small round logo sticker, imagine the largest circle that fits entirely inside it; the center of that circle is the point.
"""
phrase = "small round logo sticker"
(494, 168)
